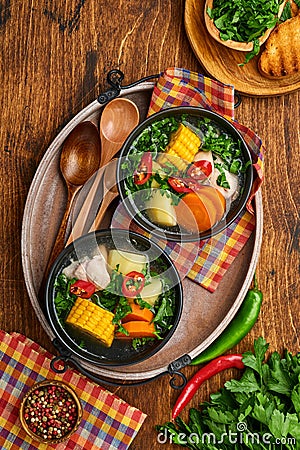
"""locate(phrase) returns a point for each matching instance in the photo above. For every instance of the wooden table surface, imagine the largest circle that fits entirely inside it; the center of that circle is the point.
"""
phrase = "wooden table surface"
(54, 59)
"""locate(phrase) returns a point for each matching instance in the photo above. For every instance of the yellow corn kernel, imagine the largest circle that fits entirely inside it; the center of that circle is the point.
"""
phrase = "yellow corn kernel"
(184, 143)
(93, 320)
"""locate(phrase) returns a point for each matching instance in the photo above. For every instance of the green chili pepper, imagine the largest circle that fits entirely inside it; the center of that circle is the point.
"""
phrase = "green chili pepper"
(237, 329)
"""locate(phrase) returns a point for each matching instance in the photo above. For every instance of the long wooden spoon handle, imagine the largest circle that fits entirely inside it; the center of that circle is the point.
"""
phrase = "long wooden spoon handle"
(60, 239)
(80, 222)
(108, 198)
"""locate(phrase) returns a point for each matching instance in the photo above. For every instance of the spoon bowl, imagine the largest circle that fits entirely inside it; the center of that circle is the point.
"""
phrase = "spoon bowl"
(80, 156)
(118, 120)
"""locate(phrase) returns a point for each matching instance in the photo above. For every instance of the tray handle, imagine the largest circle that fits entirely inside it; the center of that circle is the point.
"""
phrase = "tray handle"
(114, 79)
(65, 356)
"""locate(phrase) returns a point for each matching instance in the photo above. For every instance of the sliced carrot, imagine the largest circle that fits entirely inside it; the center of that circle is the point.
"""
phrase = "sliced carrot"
(214, 202)
(199, 211)
(137, 329)
(138, 313)
(192, 214)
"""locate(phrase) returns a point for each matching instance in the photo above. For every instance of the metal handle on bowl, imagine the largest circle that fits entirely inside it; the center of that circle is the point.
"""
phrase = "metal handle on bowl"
(114, 79)
(238, 99)
(65, 356)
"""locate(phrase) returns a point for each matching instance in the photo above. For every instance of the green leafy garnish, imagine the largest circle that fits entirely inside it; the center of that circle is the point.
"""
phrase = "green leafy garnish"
(164, 311)
(264, 403)
(137, 343)
(244, 20)
(63, 299)
(223, 145)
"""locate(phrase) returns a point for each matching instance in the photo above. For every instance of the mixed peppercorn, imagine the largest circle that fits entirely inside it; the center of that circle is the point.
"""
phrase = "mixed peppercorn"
(50, 412)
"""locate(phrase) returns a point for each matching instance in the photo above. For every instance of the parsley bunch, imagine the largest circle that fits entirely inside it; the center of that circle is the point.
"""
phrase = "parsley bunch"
(244, 20)
(266, 400)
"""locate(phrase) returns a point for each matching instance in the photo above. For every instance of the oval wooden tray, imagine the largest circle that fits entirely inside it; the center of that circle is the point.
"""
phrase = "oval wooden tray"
(221, 62)
(204, 316)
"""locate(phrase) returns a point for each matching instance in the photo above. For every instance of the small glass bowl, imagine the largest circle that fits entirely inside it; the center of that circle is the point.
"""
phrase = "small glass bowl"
(38, 399)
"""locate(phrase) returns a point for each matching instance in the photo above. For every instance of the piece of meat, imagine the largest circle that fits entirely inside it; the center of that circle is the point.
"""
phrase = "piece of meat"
(96, 271)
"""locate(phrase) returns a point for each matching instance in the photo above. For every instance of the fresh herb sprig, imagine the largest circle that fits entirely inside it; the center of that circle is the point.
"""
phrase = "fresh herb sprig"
(164, 311)
(226, 147)
(266, 400)
(63, 299)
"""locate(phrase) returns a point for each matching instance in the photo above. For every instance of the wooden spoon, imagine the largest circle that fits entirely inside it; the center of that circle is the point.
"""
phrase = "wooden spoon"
(110, 192)
(117, 121)
(79, 160)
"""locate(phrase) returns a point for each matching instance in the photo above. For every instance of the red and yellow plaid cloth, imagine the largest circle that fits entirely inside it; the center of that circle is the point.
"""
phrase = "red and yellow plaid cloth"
(108, 422)
(207, 262)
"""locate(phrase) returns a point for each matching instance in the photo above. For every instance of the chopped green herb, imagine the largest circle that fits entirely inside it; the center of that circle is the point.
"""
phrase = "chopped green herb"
(222, 180)
(244, 20)
(264, 402)
(137, 343)
(63, 299)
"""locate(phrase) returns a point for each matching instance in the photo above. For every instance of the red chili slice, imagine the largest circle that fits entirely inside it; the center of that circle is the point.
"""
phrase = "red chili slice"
(179, 184)
(133, 283)
(200, 169)
(144, 169)
(184, 185)
(83, 289)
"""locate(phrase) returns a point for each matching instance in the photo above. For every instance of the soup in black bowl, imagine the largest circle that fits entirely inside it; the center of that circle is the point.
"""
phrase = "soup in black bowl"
(113, 297)
(184, 174)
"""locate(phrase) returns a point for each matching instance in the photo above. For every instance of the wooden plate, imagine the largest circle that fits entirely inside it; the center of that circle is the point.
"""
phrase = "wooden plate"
(222, 63)
(204, 315)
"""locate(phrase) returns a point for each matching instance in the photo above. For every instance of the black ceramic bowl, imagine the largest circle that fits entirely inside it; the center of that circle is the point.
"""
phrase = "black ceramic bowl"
(121, 352)
(125, 172)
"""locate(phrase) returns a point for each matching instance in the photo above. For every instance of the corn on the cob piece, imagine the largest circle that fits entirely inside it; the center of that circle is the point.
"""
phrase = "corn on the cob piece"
(183, 146)
(92, 319)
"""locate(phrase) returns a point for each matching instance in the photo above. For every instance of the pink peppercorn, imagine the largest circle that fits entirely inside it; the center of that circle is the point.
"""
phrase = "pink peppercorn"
(46, 412)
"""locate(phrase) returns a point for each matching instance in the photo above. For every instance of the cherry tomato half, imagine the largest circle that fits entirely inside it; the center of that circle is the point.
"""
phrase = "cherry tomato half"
(133, 283)
(144, 169)
(83, 289)
(200, 169)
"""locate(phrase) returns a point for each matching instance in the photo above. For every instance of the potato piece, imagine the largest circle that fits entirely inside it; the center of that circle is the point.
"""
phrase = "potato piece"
(160, 209)
(151, 291)
(127, 261)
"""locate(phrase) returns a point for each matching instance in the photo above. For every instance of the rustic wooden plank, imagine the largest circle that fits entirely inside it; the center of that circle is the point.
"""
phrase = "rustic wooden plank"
(54, 59)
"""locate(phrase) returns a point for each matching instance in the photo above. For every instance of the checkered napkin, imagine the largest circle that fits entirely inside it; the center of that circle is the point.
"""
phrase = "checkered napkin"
(207, 262)
(108, 422)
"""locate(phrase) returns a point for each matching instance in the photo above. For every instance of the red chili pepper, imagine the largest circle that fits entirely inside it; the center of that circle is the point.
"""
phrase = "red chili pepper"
(212, 368)
(184, 185)
(200, 170)
(144, 169)
(133, 283)
(83, 289)
(179, 185)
